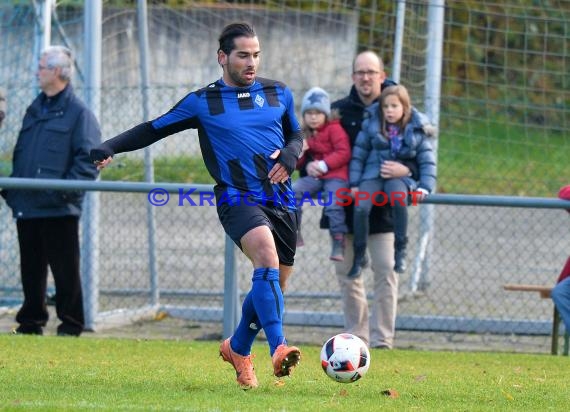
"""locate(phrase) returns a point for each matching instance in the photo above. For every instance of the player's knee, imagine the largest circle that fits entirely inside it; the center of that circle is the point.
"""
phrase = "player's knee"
(265, 256)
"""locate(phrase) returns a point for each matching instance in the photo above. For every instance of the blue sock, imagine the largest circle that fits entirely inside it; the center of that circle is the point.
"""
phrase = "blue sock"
(247, 329)
(268, 302)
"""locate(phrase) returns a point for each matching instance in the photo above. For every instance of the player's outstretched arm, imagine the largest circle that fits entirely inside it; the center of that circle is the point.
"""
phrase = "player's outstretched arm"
(136, 138)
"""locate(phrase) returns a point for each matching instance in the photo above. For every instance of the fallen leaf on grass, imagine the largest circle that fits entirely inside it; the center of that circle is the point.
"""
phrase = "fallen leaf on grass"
(391, 393)
(279, 383)
(507, 395)
(343, 392)
(420, 378)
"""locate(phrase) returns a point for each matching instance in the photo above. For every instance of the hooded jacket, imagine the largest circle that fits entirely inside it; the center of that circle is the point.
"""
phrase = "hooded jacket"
(372, 148)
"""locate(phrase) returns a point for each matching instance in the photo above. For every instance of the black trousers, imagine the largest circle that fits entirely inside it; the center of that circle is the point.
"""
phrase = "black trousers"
(52, 241)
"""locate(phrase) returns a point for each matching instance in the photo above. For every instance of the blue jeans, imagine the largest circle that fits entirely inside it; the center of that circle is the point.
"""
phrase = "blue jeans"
(561, 297)
(326, 192)
(395, 194)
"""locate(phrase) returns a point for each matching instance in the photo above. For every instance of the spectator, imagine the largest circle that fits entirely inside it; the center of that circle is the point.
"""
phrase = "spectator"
(251, 141)
(561, 292)
(375, 325)
(396, 131)
(326, 143)
(57, 133)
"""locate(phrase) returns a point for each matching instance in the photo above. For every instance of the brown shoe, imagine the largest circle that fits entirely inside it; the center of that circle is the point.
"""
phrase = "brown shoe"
(285, 359)
(245, 374)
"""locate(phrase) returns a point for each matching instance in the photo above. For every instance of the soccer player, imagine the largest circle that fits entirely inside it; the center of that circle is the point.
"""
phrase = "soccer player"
(250, 140)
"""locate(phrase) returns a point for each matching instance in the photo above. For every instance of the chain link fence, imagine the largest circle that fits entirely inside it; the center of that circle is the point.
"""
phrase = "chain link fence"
(475, 251)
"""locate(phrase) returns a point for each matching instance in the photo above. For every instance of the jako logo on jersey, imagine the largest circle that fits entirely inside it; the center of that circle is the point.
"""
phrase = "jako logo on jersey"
(243, 95)
(259, 100)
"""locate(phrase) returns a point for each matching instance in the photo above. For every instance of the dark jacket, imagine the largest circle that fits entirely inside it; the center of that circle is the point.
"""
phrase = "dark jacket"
(54, 143)
(372, 148)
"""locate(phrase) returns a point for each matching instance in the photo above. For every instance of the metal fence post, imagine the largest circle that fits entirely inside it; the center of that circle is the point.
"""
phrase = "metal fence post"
(231, 289)
(90, 218)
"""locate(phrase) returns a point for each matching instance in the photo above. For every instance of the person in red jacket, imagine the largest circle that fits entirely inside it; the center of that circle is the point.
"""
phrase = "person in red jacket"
(328, 146)
(561, 292)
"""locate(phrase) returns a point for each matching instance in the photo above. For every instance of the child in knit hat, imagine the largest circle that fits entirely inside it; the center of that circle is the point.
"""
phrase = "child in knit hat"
(328, 146)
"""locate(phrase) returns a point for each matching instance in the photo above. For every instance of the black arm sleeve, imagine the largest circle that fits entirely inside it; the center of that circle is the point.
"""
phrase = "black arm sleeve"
(290, 153)
(138, 137)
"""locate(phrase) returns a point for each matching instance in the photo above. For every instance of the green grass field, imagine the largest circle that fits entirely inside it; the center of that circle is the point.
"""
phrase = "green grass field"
(68, 374)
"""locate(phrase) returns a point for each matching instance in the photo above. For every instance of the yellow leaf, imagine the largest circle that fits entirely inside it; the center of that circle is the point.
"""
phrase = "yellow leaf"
(507, 395)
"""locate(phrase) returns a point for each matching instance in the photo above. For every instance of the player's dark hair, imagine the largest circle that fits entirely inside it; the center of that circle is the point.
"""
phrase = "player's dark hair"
(230, 32)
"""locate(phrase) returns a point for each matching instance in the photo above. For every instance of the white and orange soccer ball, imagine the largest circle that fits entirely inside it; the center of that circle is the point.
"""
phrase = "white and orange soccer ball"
(345, 358)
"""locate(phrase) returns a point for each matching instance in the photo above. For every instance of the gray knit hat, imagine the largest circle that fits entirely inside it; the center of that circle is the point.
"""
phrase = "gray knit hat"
(316, 98)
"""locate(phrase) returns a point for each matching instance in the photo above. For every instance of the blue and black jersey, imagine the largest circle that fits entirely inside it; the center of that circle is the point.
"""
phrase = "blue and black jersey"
(238, 128)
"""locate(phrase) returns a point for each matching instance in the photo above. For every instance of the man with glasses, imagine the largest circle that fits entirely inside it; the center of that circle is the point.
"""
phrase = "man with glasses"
(57, 133)
(368, 79)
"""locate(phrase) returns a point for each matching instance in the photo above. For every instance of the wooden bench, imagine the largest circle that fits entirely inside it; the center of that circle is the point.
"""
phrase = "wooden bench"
(544, 293)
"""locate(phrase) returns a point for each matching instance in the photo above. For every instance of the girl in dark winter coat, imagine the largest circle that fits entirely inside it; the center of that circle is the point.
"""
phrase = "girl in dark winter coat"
(394, 130)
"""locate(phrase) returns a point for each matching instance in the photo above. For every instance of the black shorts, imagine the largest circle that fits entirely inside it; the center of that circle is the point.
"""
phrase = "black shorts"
(239, 219)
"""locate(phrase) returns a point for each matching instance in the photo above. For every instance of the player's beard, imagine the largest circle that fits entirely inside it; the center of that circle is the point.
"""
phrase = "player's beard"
(238, 79)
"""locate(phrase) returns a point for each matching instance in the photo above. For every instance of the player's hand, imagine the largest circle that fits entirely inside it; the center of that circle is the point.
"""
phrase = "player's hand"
(391, 169)
(101, 164)
(313, 169)
(101, 157)
(278, 173)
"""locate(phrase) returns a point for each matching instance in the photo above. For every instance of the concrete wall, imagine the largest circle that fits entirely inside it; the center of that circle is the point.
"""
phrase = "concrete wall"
(301, 49)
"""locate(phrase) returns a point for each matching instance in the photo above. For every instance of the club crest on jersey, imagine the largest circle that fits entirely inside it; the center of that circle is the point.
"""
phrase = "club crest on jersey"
(259, 100)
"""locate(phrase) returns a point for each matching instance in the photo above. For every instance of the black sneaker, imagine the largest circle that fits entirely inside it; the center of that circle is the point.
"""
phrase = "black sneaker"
(28, 330)
(65, 330)
(67, 334)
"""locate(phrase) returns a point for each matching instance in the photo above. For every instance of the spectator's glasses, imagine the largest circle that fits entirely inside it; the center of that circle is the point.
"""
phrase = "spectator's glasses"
(369, 73)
